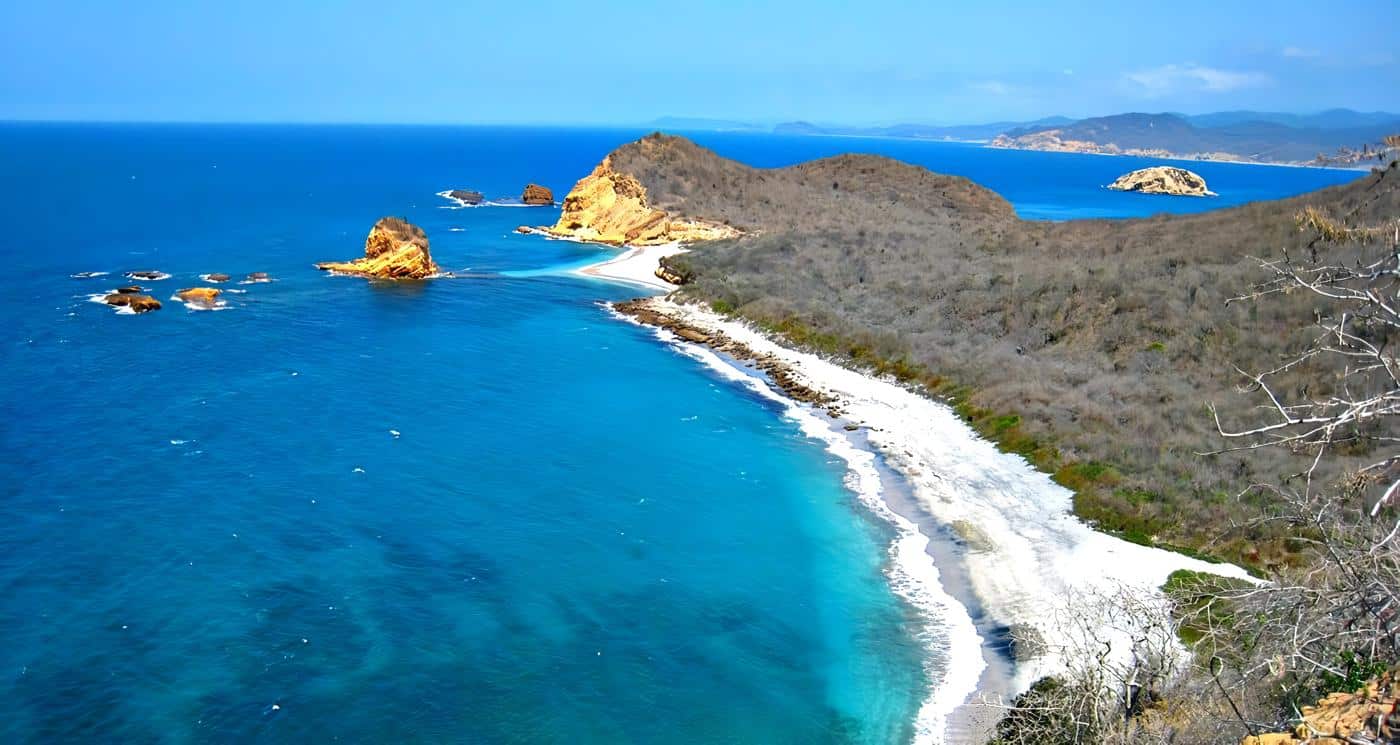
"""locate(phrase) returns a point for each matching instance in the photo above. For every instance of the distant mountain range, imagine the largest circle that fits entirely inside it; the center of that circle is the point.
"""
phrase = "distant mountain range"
(1333, 137)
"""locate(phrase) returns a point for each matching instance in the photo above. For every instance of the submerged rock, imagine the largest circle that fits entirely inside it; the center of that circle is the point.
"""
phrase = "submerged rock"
(608, 206)
(129, 290)
(204, 296)
(149, 276)
(465, 197)
(394, 249)
(137, 303)
(537, 195)
(1163, 180)
(258, 277)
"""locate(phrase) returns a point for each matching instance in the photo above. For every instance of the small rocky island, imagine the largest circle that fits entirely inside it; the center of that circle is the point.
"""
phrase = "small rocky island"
(465, 196)
(537, 196)
(394, 249)
(1163, 180)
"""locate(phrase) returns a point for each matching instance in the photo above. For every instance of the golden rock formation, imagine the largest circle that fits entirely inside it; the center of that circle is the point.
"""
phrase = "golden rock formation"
(1163, 180)
(1371, 714)
(205, 296)
(536, 195)
(610, 207)
(395, 249)
(137, 303)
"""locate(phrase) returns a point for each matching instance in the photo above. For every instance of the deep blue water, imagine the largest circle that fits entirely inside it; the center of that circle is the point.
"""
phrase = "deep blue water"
(208, 532)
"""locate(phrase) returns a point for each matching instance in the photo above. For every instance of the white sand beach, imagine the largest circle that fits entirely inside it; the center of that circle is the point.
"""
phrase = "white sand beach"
(637, 265)
(1032, 565)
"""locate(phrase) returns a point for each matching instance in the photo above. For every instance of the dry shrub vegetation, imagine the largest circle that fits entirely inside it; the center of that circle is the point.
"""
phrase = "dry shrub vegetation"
(1220, 383)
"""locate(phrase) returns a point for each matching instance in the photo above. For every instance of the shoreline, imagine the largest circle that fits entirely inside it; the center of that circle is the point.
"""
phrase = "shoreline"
(636, 265)
(1035, 573)
(1184, 159)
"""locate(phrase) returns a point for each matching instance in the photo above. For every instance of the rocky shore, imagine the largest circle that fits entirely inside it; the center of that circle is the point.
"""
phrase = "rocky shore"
(648, 313)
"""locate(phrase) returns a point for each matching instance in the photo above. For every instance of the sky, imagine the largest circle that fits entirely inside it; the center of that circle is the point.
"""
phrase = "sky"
(546, 62)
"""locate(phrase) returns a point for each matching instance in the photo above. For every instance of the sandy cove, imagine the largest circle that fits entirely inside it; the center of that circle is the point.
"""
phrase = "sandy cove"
(1031, 565)
(636, 265)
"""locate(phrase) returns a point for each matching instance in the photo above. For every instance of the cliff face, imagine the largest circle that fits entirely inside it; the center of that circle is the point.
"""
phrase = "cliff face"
(608, 206)
(394, 249)
(1163, 180)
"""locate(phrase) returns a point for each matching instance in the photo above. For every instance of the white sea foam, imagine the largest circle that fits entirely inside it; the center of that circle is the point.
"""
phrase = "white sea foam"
(206, 278)
(88, 275)
(954, 663)
(456, 230)
(1038, 562)
(154, 276)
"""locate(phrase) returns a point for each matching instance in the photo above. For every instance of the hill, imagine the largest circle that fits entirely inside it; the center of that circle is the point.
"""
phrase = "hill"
(959, 132)
(1091, 347)
(1171, 135)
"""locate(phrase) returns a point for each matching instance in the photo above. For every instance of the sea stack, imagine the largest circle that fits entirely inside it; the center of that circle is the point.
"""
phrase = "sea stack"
(1163, 180)
(394, 249)
(537, 196)
(609, 206)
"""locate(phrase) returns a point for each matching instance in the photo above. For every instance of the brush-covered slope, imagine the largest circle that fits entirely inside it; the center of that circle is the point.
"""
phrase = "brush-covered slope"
(1092, 347)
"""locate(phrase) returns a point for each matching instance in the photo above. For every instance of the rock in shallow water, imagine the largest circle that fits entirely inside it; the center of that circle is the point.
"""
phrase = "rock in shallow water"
(204, 296)
(137, 303)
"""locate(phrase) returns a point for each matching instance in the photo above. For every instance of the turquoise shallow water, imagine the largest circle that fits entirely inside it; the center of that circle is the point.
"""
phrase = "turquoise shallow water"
(208, 532)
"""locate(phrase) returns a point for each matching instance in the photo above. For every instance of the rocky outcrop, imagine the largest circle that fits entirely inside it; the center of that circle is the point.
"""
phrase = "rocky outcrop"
(538, 196)
(258, 277)
(608, 206)
(207, 297)
(136, 302)
(667, 274)
(465, 196)
(1370, 715)
(1163, 180)
(129, 289)
(149, 276)
(217, 277)
(395, 249)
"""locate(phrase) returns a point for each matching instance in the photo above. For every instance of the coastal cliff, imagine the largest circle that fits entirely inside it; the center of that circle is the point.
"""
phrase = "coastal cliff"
(609, 206)
(394, 249)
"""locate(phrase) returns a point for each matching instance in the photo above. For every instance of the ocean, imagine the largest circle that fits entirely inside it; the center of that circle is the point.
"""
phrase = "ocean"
(476, 510)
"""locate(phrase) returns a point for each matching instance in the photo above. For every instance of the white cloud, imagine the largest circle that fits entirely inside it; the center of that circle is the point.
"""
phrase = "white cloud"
(1300, 53)
(994, 87)
(1167, 79)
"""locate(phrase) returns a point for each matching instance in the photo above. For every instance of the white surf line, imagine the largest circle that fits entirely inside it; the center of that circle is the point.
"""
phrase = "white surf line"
(1037, 561)
(949, 630)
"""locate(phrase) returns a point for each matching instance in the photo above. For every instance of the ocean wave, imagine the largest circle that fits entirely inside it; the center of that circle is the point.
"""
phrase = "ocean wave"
(151, 276)
(954, 662)
(459, 204)
(88, 275)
